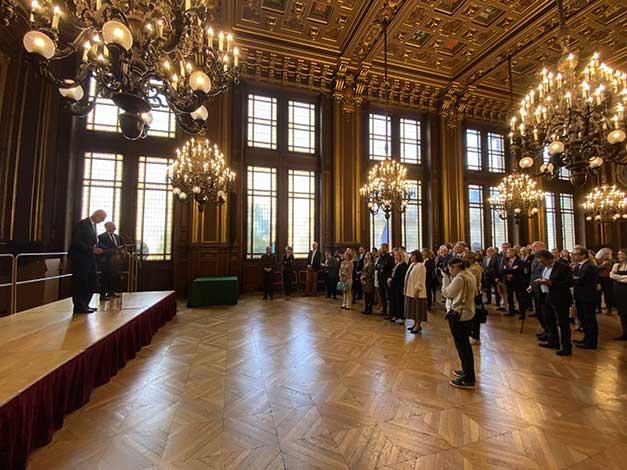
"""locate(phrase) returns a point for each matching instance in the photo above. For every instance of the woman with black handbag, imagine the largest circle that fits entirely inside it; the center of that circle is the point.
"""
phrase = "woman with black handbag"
(480, 311)
(458, 289)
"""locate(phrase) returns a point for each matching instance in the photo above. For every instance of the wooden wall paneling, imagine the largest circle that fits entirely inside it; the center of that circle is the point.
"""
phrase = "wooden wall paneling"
(433, 205)
(453, 194)
(326, 196)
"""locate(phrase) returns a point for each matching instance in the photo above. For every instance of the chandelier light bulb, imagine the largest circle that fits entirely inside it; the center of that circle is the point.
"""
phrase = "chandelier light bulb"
(147, 118)
(525, 162)
(75, 93)
(556, 147)
(182, 196)
(116, 32)
(36, 42)
(196, 189)
(201, 114)
(616, 136)
(199, 80)
(595, 162)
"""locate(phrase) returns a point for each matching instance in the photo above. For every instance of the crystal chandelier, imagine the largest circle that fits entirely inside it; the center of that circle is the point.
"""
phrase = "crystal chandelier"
(517, 196)
(386, 189)
(605, 204)
(200, 172)
(139, 53)
(578, 114)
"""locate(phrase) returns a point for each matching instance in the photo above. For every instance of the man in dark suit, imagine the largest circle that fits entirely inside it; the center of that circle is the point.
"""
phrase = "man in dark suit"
(586, 276)
(489, 263)
(359, 267)
(383, 268)
(513, 276)
(313, 267)
(111, 245)
(82, 255)
(555, 286)
(268, 263)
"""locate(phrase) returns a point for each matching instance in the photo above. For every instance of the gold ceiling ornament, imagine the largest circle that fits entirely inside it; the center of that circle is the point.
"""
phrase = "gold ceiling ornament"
(141, 54)
(605, 204)
(386, 189)
(200, 172)
(517, 196)
(578, 114)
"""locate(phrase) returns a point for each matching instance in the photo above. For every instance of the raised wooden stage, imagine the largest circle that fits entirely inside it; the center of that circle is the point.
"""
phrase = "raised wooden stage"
(50, 361)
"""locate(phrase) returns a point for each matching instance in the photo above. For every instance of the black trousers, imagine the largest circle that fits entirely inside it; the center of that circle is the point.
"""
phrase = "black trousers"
(287, 282)
(267, 284)
(538, 300)
(331, 285)
(384, 295)
(607, 289)
(588, 318)
(557, 317)
(521, 297)
(397, 303)
(368, 301)
(461, 332)
(84, 283)
(489, 286)
(430, 293)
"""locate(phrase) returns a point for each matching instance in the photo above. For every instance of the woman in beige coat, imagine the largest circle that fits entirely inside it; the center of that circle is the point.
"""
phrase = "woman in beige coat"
(416, 292)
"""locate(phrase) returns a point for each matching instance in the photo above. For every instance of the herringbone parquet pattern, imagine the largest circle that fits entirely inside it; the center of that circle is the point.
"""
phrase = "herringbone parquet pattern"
(304, 385)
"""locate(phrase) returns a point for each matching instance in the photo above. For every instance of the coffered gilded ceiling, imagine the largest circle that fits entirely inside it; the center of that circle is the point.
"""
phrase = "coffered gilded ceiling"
(435, 46)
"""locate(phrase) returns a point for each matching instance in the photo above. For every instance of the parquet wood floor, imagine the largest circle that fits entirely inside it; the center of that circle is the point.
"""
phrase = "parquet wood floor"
(304, 385)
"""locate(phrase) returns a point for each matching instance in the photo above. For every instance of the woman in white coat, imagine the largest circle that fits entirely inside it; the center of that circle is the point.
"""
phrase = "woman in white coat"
(415, 291)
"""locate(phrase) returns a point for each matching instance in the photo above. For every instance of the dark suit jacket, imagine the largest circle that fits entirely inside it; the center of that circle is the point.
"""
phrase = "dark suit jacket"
(517, 273)
(490, 267)
(535, 273)
(384, 266)
(315, 262)
(84, 239)
(561, 282)
(586, 277)
(104, 242)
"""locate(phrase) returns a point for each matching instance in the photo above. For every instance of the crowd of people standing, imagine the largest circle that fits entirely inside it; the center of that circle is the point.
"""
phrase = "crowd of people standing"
(558, 287)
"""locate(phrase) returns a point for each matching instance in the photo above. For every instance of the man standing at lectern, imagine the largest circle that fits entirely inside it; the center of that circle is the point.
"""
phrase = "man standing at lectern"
(82, 255)
(111, 244)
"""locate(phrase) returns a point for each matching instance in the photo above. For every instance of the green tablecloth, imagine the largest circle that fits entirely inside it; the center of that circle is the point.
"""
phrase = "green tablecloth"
(213, 291)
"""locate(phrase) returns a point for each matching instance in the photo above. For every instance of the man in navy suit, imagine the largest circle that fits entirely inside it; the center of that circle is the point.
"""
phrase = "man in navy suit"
(314, 259)
(111, 244)
(555, 283)
(82, 255)
(586, 276)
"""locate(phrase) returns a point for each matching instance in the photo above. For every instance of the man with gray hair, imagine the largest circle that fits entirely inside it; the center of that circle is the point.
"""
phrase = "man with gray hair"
(82, 256)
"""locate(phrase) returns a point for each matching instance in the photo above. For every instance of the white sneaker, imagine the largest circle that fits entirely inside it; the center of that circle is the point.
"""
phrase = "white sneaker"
(474, 341)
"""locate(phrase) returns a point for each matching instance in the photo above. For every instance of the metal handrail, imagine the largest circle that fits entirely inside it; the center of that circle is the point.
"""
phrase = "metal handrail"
(55, 254)
(132, 281)
(8, 255)
(10, 284)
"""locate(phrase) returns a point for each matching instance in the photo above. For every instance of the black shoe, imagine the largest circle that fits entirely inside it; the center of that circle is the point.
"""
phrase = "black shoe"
(461, 383)
(584, 346)
(564, 352)
(92, 309)
(549, 345)
(501, 309)
(458, 373)
(416, 332)
(80, 312)
(621, 338)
